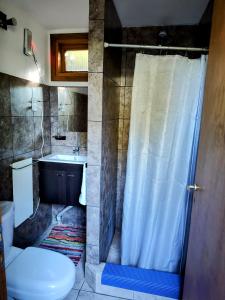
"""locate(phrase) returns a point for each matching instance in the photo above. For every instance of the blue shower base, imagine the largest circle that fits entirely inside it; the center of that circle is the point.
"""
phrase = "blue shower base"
(142, 280)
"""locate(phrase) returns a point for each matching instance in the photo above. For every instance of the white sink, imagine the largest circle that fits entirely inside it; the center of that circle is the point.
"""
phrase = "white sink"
(65, 158)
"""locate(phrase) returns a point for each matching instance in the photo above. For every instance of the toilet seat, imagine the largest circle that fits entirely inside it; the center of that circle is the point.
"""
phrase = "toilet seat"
(40, 274)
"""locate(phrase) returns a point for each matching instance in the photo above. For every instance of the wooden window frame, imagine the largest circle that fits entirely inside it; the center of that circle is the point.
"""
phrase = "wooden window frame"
(60, 43)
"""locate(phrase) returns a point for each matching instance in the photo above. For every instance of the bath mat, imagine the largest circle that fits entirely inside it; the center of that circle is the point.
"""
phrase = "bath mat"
(67, 240)
(143, 280)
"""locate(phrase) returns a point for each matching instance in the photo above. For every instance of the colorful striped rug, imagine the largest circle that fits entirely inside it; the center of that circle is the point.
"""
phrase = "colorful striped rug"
(67, 240)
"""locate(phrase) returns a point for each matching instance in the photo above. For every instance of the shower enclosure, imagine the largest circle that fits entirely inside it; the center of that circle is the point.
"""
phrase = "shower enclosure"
(110, 88)
(164, 129)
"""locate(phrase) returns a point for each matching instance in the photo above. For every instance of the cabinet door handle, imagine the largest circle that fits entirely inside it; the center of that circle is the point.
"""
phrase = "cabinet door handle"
(71, 175)
(59, 175)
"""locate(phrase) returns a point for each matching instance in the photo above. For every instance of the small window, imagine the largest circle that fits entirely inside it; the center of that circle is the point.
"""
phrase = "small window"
(69, 57)
(76, 60)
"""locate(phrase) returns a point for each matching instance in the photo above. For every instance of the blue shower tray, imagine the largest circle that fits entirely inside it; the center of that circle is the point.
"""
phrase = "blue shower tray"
(142, 280)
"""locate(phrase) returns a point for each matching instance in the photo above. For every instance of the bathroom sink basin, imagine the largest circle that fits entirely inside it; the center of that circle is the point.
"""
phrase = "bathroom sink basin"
(69, 157)
(65, 158)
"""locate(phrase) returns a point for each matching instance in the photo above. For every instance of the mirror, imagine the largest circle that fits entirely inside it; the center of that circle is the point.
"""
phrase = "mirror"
(72, 109)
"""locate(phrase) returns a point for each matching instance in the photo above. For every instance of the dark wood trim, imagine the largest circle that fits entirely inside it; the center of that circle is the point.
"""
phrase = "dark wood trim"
(3, 292)
(59, 43)
(205, 267)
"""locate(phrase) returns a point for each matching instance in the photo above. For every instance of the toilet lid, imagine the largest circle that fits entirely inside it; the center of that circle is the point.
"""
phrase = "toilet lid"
(40, 274)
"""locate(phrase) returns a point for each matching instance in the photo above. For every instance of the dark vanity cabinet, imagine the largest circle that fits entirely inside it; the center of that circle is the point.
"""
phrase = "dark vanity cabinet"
(60, 183)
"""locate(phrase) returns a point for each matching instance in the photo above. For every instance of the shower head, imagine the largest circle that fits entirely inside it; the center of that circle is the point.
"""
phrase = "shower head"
(163, 34)
(163, 37)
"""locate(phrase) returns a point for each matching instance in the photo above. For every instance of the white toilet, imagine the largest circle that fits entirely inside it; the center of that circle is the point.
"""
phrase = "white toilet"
(34, 273)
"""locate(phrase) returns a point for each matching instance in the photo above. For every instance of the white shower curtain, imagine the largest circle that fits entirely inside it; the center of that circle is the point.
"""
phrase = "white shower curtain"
(165, 110)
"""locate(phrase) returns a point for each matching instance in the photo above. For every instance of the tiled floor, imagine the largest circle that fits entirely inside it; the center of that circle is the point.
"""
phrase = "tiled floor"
(82, 291)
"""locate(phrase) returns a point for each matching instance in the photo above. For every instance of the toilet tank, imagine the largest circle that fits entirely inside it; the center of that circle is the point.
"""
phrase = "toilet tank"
(7, 210)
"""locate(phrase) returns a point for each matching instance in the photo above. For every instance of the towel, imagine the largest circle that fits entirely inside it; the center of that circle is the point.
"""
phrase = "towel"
(83, 197)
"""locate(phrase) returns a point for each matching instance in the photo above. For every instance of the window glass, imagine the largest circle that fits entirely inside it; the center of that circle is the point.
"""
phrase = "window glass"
(76, 60)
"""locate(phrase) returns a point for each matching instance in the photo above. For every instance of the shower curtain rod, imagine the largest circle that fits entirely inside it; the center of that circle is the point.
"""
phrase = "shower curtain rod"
(107, 45)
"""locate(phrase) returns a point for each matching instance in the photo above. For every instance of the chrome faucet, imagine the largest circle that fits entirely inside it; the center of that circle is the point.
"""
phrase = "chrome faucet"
(76, 150)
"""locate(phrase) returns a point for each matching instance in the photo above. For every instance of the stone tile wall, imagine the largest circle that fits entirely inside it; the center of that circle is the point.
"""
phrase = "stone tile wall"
(103, 108)
(20, 138)
(95, 99)
(76, 216)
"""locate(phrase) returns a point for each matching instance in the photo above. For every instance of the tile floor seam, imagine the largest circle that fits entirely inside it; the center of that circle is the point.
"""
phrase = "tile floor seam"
(106, 295)
(82, 286)
(78, 294)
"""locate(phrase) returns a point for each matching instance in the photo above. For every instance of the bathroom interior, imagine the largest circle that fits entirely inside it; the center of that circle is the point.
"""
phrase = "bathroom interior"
(100, 113)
